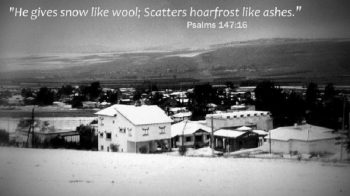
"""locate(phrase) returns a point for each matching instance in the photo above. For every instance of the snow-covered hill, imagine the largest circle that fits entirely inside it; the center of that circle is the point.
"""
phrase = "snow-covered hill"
(35, 172)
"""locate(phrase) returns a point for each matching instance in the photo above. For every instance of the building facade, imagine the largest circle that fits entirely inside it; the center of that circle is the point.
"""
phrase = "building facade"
(261, 120)
(131, 128)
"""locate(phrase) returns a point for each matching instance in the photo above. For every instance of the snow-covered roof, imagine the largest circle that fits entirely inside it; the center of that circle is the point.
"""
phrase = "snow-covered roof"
(182, 114)
(110, 111)
(212, 105)
(190, 128)
(238, 114)
(260, 132)
(228, 133)
(244, 128)
(179, 94)
(238, 107)
(177, 109)
(137, 115)
(304, 132)
(105, 103)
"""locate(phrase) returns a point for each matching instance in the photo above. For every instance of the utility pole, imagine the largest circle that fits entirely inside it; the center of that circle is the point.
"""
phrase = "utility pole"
(183, 136)
(270, 141)
(343, 125)
(349, 127)
(31, 129)
(341, 151)
(212, 135)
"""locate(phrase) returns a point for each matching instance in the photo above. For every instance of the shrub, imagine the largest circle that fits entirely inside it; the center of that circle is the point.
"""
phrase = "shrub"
(143, 149)
(88, 139)
(4, 137)
(57, 142)
(314, 154)
(182, 150)
(114, 147)
(299, 157)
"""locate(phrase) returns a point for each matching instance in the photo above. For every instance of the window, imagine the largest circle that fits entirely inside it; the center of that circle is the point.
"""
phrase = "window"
(188, 139)
(162, 130)
(101, 147)
(145, 131)
(129, 132)
(101, 121)
(122, 130)
(208, 137)
(101, 134)
(108, 136)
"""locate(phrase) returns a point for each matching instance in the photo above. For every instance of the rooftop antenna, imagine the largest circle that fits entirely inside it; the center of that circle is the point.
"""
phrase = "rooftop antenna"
(212, 135)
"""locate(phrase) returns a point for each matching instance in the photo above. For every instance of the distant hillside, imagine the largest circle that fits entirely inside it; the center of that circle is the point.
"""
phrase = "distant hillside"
(280, 59)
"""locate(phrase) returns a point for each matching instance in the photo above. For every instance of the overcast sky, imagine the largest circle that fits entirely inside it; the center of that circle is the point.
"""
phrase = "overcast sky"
(21, 36)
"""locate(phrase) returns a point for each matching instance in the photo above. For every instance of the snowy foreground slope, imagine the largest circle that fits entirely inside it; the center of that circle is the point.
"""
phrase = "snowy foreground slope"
(36, 172)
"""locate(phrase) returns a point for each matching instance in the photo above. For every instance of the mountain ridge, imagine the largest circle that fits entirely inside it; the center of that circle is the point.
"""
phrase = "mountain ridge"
(262, 58)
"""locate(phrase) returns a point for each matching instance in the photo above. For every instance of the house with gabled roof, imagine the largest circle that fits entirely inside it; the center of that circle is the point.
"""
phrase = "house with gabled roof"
(190, 134)
(133, 128)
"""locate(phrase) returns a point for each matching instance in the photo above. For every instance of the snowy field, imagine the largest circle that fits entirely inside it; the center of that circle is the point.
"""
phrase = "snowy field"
(36, 172)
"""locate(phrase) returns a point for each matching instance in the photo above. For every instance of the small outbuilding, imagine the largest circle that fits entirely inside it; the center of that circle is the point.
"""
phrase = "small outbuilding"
(229, 140)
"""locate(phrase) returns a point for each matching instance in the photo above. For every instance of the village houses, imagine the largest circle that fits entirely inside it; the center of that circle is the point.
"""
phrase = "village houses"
(232, 130)
(239, 129)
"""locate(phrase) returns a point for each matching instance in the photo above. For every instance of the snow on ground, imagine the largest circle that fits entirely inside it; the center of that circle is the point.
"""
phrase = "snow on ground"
(36, 172)
(200, 152)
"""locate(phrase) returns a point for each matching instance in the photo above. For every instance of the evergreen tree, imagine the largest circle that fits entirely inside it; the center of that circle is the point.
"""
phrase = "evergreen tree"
(45, 96)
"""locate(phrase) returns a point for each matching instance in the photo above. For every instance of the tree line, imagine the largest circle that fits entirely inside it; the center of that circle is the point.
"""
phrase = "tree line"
(74, 96)
(328, 109)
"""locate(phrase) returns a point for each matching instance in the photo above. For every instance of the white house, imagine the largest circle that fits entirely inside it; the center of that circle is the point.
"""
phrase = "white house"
(304, 138)
(190, 134)
(259, 119)
(131, 128)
